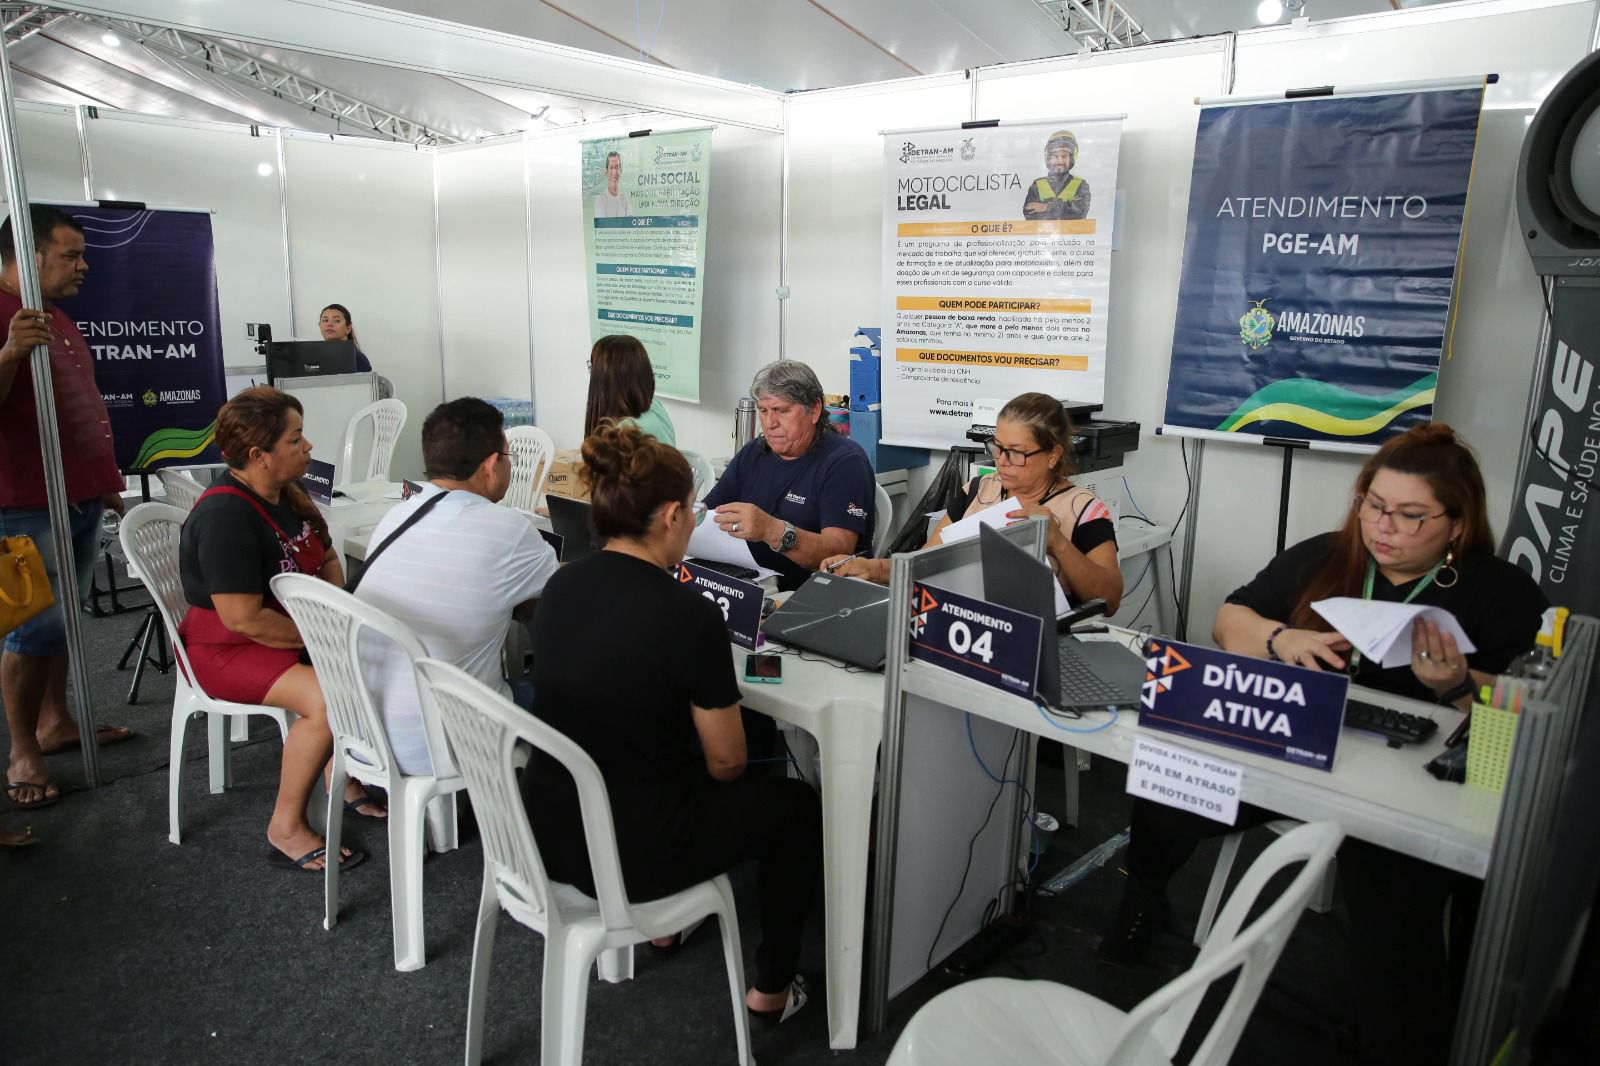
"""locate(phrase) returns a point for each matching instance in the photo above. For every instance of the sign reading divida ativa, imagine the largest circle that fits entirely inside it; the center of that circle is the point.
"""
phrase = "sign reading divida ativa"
(996, 269)
(1184, 779)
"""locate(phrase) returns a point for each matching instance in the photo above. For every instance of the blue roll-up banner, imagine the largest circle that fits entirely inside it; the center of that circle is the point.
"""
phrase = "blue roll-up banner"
(1273, 709)
(1318, 263)
(148, 311)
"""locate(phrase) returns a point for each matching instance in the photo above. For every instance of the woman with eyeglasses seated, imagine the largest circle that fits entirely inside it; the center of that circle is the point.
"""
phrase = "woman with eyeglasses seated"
(670, 743)
(1417, 531)
(253, 524)
(622, 387)
(1032, 453)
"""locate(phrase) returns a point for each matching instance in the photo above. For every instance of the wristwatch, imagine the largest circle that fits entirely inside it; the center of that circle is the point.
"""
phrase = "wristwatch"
(790, 538)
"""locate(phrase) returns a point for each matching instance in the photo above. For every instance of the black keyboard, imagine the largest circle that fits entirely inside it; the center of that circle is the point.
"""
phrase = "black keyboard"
(1398, 726)
(743, 573)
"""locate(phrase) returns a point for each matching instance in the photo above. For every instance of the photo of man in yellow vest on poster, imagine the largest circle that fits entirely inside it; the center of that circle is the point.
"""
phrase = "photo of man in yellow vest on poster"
(1058, 194)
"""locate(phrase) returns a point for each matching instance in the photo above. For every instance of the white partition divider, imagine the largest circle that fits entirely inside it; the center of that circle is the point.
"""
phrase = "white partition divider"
(361, 233)
(742, 258)
(47, 136)
(483, 269)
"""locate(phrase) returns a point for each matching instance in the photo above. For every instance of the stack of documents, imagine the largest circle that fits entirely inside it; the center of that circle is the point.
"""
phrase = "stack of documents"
(1381, 631)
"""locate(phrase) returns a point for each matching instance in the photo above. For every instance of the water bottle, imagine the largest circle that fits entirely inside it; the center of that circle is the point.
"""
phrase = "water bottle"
(744, 423)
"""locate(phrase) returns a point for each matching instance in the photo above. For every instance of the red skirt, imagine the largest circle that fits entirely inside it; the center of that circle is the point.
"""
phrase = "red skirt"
(227, 665)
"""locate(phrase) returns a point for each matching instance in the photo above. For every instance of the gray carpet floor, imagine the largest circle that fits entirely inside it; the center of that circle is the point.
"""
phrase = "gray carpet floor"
(119, 946)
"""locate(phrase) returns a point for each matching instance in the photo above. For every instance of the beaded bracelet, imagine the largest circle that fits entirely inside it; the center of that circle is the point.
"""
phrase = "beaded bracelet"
(1272, 653)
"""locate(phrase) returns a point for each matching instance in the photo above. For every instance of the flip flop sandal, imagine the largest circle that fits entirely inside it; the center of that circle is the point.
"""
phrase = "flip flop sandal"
(279, 861)
(355, 807)
(47, 801)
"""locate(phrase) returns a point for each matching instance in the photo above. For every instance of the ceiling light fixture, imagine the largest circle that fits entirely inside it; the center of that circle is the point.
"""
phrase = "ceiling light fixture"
(111, 39)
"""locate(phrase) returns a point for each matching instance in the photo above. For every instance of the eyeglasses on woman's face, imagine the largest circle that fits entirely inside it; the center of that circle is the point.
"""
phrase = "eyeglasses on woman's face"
(1405, 519)
(1010, 456)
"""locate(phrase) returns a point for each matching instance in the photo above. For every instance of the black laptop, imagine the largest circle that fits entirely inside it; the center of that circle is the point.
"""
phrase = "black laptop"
(1074, 675)
(843, 618)
(570, 520)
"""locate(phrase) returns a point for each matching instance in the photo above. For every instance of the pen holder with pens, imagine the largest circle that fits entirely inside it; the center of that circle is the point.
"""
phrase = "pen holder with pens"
(1489, 746)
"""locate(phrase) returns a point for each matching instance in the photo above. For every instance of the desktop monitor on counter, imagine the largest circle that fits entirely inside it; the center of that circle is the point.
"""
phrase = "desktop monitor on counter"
(299, 359)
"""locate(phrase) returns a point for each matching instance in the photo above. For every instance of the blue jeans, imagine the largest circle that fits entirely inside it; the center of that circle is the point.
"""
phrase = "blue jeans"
(46, 632)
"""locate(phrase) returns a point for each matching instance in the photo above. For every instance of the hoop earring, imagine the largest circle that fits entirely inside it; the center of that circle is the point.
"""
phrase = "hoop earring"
(1449, 560)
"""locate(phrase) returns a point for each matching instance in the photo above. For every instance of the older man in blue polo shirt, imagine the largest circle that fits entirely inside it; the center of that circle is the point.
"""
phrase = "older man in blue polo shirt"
(800, 492)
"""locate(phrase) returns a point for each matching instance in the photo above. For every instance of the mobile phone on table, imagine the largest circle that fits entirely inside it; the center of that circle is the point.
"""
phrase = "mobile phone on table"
(764, 669)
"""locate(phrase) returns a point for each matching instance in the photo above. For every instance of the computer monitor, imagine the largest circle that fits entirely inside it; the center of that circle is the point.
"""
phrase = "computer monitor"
(300, 359)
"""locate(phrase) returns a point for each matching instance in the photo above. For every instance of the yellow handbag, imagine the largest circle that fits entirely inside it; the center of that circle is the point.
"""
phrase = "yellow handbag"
(24, 586)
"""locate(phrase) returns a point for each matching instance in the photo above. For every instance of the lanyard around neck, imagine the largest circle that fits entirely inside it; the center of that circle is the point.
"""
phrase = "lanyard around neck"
(1366, 594)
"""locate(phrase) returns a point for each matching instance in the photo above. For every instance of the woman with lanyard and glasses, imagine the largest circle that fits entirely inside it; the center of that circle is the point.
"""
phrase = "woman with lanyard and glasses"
(1417, 531)
(1032, 453)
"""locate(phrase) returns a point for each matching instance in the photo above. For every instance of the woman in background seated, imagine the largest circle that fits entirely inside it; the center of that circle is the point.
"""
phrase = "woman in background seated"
(669, 742)
(622, 386)
(1417, 531)
(335, 324)
(1032, 453)
(254, 524)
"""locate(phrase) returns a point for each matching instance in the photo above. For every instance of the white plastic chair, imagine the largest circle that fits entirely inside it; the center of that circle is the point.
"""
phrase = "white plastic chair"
(700, 466)
(1321, 900)
(532, 452)
(998, 1019)
(332, 622)
(149, 536)
(484, 729)
(388, 419)
(182, 490)
(882, 518)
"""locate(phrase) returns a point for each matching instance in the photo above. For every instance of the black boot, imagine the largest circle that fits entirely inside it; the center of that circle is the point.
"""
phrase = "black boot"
(1143, 914)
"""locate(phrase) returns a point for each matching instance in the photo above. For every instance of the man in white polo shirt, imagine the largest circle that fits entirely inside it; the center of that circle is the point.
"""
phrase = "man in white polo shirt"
(457, 575)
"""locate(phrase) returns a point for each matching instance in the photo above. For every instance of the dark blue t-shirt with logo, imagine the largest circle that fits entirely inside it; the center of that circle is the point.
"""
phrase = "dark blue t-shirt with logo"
(830, 485)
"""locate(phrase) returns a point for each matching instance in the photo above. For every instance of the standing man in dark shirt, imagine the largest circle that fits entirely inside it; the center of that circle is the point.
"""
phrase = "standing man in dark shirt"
(33, 667)
(1058, 194)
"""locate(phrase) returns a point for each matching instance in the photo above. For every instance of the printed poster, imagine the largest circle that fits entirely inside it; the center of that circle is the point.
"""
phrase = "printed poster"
(148, 311)
(1318, 264)
(644, 210)
(997, 270)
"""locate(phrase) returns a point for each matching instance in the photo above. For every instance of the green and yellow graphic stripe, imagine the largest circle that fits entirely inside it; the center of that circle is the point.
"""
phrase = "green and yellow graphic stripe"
(1328, 408)
(174, 443)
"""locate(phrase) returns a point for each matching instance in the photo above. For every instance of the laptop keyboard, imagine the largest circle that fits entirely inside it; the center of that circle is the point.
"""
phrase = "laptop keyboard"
(1080, 684)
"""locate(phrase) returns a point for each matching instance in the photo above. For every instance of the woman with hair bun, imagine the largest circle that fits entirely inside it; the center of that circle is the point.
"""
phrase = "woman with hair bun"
(255, 523)
(1416, 531)
(669, 742)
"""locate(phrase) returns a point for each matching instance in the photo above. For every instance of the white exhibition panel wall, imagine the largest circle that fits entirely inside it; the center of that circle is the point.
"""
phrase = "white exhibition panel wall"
(52, 165)
(1155, 88)
(740, 314)
(215, 167)
(836, 209)
(361, 233)
(483, 270)
(1483, 387)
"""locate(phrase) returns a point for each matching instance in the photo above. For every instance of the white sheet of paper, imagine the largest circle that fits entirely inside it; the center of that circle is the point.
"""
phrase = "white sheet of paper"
(711, 541)
(1382, 631)
(1185, 779)
(995, 515)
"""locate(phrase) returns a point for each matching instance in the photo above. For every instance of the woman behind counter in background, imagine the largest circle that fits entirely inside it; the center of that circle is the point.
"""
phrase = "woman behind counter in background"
(668, 741)
(1417, 531)
(622, 386)
(1032, 453)
(255, 523)
(336, 324)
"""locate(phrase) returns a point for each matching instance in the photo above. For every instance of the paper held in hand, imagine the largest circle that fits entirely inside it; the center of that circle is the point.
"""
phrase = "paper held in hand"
(711, 541)
(993, 515)
(1382, 631)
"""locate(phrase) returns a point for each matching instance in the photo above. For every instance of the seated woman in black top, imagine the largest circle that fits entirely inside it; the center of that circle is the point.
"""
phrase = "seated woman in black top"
(1417, 531)
(254, 524)
(1032, 452)
(636, 669)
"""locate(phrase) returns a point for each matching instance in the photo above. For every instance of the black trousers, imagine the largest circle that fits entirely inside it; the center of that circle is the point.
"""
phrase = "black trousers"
(775, 821)
(1407, 967)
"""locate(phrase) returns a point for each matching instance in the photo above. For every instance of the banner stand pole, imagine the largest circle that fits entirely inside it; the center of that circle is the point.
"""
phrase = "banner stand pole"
(1289, 448)
(1191, 525)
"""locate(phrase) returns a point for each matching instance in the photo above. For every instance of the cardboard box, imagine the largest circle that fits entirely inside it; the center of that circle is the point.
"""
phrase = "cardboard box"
(564, 479)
